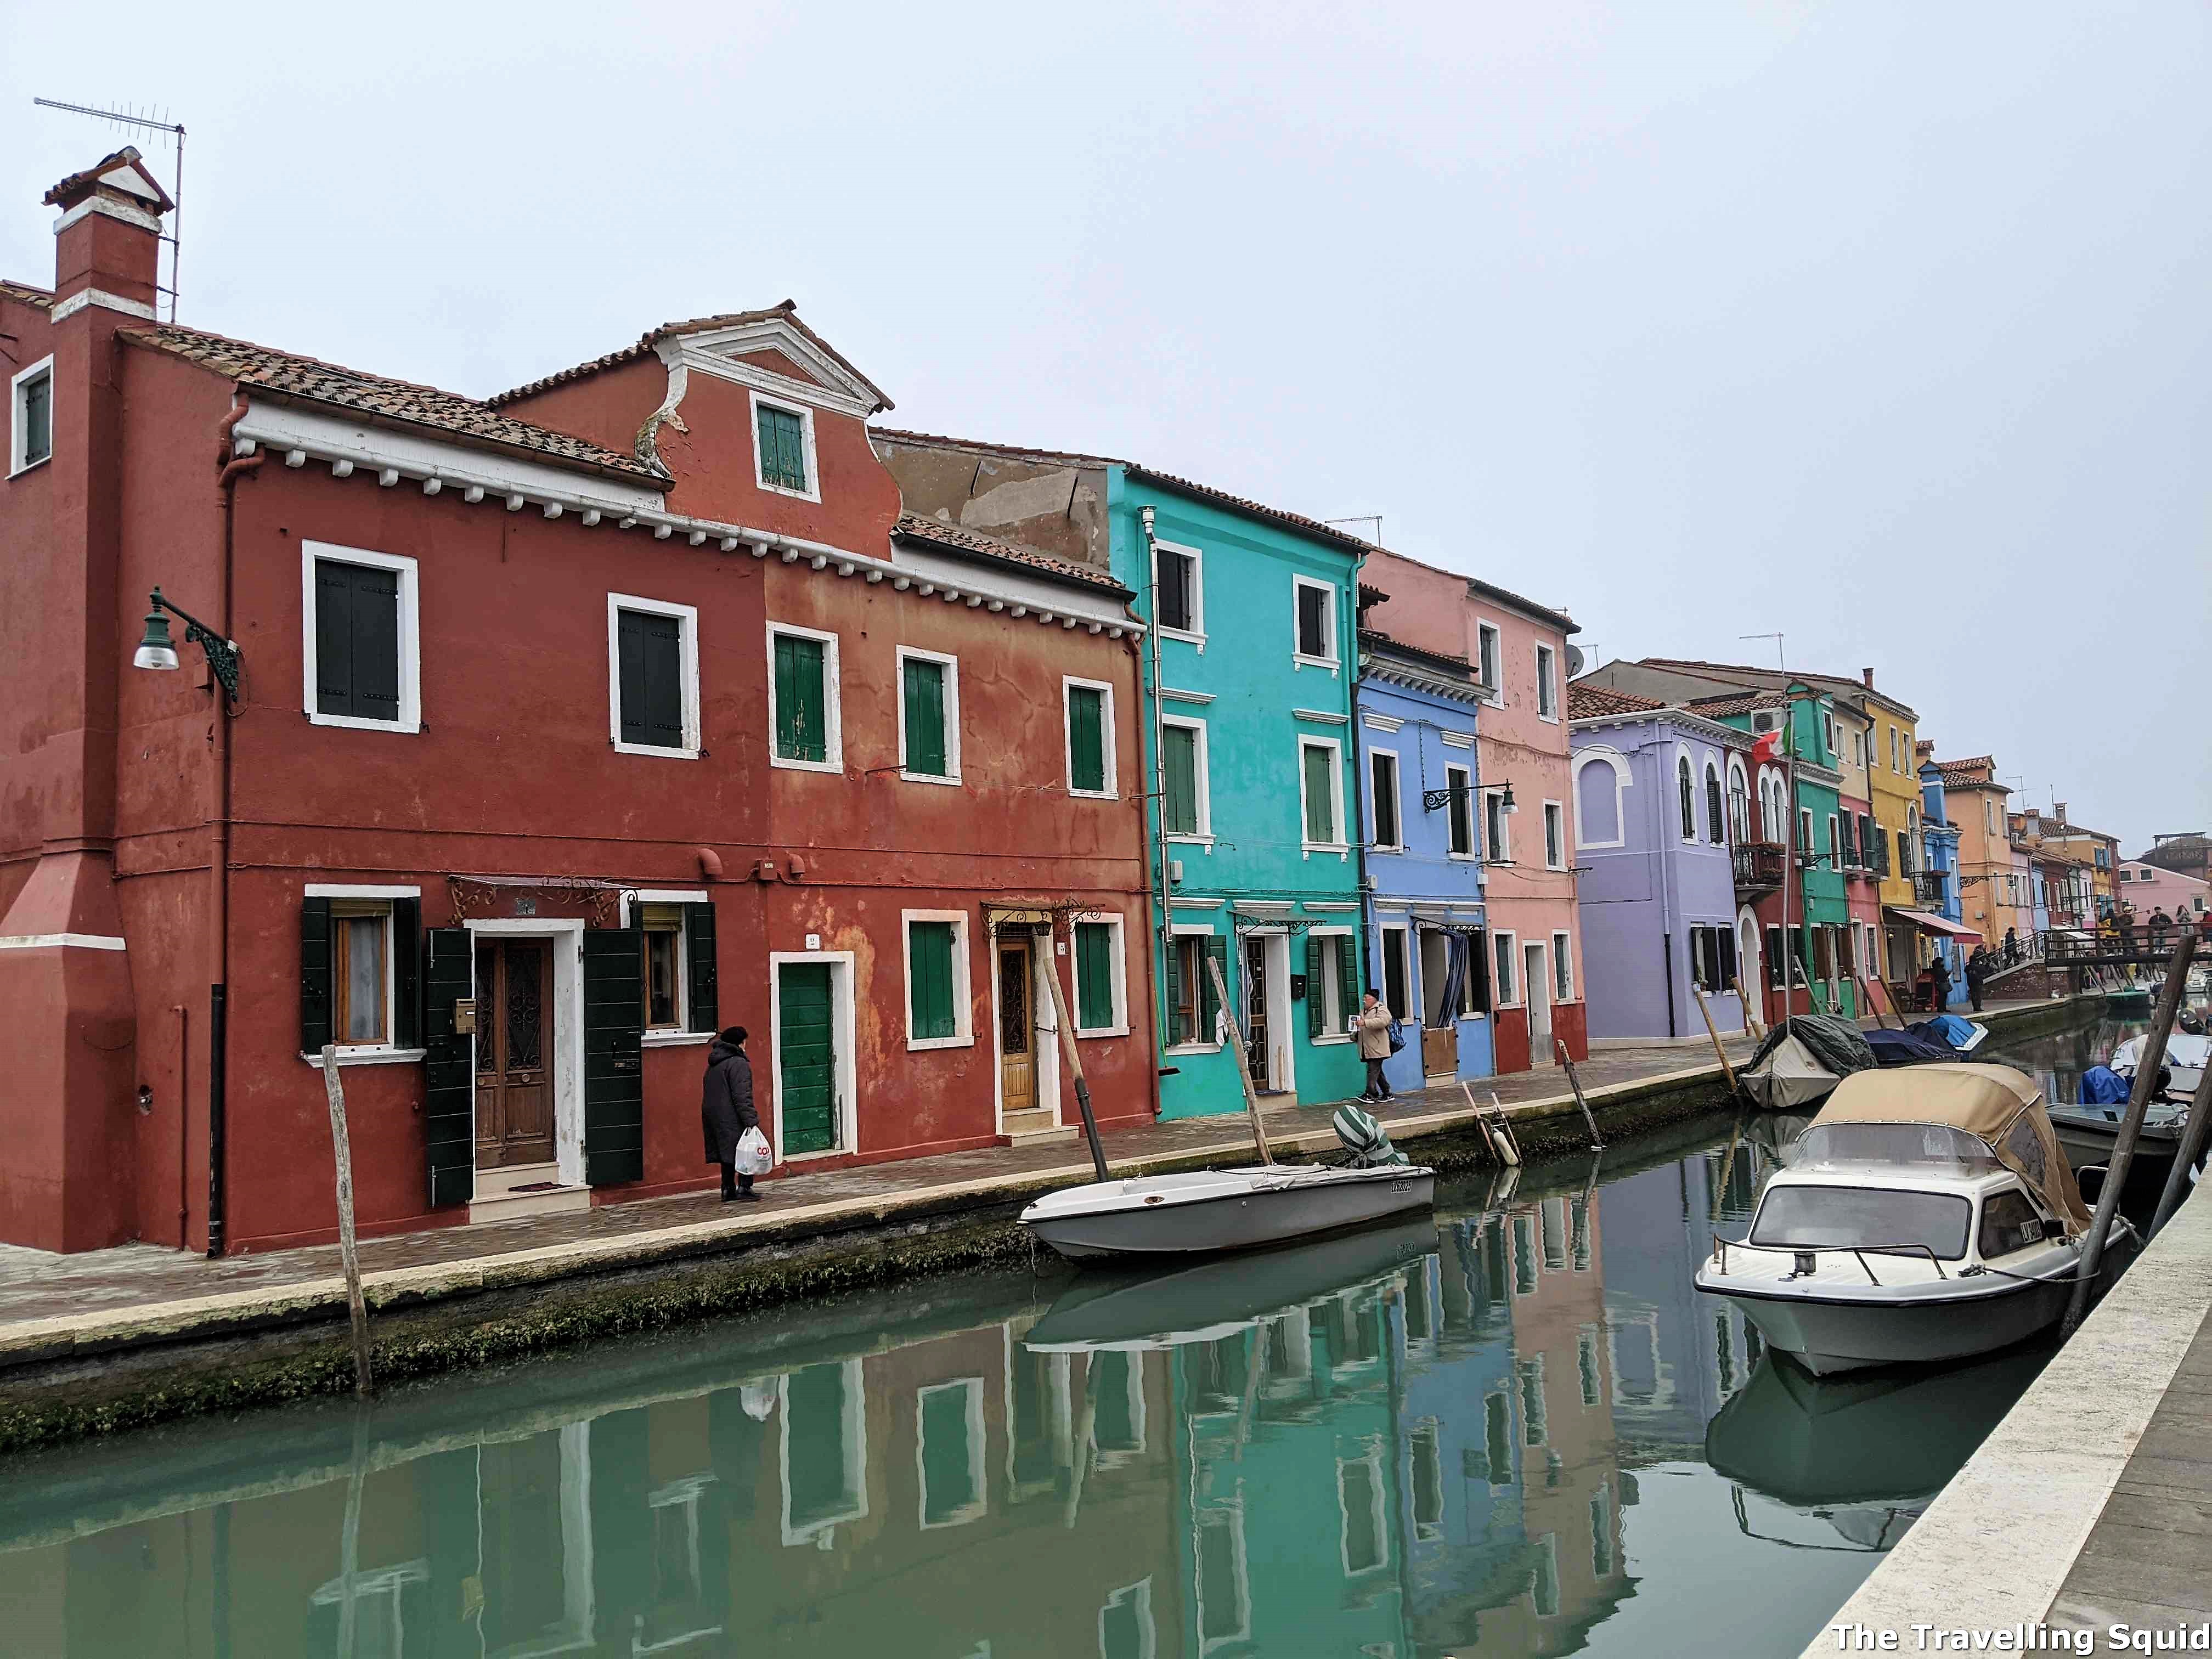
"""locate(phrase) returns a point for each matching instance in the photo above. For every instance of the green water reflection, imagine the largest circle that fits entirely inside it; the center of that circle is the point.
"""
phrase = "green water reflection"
(1515, 1430)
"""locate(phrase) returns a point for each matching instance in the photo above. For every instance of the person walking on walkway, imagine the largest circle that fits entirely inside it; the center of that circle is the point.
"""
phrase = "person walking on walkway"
(1939, 983)
(2160, 922)
(727, 1110)
(1373, 1026)
(1977, 975)
(2011, 947)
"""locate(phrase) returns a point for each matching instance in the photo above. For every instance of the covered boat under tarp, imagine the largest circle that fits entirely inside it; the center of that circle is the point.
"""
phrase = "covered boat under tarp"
(1909, 1048)
(1803, 1059)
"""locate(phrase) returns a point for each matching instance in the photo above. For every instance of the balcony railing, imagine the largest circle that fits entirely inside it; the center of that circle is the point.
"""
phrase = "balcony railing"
(1928, 887)
(1758, 865)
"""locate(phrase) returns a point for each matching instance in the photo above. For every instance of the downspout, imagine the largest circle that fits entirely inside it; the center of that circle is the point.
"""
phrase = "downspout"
(1667, 871)
(219, 992)
(1155, 821)
(1356, 831)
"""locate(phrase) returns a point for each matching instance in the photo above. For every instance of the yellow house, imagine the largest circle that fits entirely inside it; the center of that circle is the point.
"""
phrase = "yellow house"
(1893, 777)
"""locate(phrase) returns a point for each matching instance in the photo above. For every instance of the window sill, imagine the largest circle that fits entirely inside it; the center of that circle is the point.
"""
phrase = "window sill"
(354, 723)
(951, 780)
(1464, 858)
(1187, 637)
(814, 496)
(675, 1039)
(1336, 847)
(917, 1045)
(30, 466)
(666, 751)
(1202, 839)
(1337, 1037)
(1299, 659)
(369, 1057)
(1093, 794)
(1102, 1031)
(835, 764)
(1193, 1048)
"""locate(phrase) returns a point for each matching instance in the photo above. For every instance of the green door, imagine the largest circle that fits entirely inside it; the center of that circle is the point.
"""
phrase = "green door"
(807, 1058)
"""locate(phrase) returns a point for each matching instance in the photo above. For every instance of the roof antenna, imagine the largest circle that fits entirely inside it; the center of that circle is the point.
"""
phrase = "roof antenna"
(1375, 518)
(154, 123)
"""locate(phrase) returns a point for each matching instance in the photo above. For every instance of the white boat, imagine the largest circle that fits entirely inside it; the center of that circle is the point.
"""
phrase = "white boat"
(1929, 1215)
(2185, 1057)
(1211, 1211)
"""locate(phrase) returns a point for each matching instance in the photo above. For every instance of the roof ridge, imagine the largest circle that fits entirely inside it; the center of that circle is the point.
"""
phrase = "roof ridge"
(959, 536)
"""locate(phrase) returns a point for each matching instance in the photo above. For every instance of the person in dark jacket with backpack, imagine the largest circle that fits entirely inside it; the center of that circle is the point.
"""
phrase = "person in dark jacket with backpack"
(727, 1110)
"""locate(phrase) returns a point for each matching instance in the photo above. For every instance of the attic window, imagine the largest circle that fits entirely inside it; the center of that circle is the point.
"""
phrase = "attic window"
(785, 448)
(31, 421)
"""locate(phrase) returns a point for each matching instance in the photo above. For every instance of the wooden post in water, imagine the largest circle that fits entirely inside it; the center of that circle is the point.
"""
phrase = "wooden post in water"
(348, 1257)
(1712, 1032)
(1244, 1060)
(1074, 1059)
(1866, 992)
(1751, 1022)
(2124, 1149)
(1597, 1141)
(2193, 1140)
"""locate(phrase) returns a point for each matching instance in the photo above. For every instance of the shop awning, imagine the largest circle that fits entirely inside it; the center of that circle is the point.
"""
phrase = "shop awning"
(1929, 922)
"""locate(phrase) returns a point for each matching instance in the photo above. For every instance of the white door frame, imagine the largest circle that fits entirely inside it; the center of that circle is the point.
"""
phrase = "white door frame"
(1535, 984)
(567, 1035)
(1044, 1038)
(846, 1105)
(1275, 948)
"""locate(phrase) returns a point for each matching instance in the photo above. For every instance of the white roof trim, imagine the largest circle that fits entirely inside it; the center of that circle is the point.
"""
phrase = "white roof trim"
(831, 386)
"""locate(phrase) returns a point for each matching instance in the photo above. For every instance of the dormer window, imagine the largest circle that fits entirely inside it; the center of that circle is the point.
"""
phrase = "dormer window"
(783, 448)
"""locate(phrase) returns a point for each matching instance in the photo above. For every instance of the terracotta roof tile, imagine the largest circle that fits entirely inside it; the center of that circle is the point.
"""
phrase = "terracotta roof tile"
(41, 297)
(288, 374)
(961, 539)
(786, 309)
(1439, 659)
(1591, 702)
(1732, 702)
(1981, 771)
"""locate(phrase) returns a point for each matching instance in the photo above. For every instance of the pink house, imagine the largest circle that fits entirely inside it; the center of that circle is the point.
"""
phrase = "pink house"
(2144, 888)
(1524, 776)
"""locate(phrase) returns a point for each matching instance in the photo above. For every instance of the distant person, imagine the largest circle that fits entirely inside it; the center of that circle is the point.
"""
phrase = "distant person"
(726, 1111)
(1372, 1024)
(1938, 984)
(1977, 975)
(2161, 924)
(2011, 947)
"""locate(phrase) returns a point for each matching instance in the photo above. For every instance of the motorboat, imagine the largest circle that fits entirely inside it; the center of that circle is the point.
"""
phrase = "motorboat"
(1800, 1060)
(1251, 1207)
(2186, 1055)
(1929, 1215)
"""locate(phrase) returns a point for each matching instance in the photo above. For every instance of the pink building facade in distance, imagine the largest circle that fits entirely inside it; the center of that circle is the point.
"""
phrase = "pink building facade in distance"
(1525, 825)
(2144, 888)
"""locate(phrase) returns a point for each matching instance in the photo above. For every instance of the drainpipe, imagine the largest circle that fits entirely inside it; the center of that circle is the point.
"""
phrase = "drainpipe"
(1356, 831)
(1156, 818)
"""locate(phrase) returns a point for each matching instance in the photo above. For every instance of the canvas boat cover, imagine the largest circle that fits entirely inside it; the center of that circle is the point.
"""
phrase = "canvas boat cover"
(1998, 1106)
(1800, 1060)
(1909, 1048)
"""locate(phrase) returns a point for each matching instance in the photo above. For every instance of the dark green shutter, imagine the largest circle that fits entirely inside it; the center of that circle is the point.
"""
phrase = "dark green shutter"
(1086, 737)
(1177, 1033)
(614, 1080)
(782, 448)
(929, 968)
(1094, 975)
(806, 1058)
(801, 699)
(925, 744)
(315, 975)
(449, 1068)
(1171, 572)
(650, 674)
(1320, 805)
(356, 641)
(1313, 622)
(1209, 1008)
(1179, 748)
(406, 973)
(699, 960)
(1348, 975)
(1317, 962)
(625, 1582)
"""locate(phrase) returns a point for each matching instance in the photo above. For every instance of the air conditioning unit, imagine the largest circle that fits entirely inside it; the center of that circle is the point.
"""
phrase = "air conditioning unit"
(1763, 721)
(1174, 872)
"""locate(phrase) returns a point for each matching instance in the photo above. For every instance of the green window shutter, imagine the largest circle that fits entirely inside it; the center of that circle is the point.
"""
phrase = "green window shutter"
(929, 965)
(925, 744)
(1179, 751)
(614, 1024)
(782, 448)
(1209, 1012)
(315, 975)
(649, 675)
(1320, 811)
(700, 964)
(802, 731)
(1316, 963)
(406, 973)
(449, 1092)
(356, 641)
(1348, 975)
(1086, 737)
(1094, 975)
(1177, 1033)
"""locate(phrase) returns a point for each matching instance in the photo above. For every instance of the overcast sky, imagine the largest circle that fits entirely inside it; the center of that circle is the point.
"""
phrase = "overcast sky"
(1889, 325)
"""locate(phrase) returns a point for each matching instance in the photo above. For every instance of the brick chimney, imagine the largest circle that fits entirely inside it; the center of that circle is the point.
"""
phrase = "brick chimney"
(1866, 674)
(2058, 811)
(107, 242)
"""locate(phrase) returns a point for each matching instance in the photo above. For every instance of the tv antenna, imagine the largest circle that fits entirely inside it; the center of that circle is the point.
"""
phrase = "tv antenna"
(155, 124)
(1375, 518)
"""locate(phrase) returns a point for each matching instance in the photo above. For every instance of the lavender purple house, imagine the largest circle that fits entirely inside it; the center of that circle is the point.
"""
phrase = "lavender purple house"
(1661, 799)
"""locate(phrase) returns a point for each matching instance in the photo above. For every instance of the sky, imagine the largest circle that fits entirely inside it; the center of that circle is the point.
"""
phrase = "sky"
(1884, 326)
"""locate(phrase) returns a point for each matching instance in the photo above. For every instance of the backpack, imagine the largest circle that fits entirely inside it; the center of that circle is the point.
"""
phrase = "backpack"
(1397, 1034)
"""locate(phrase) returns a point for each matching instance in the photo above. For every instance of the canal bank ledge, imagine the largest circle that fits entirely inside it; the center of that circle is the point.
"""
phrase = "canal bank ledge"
(116, 1339)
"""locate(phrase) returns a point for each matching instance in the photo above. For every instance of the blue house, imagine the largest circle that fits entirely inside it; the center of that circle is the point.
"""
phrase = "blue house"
(1938, 879)
(1423, 877)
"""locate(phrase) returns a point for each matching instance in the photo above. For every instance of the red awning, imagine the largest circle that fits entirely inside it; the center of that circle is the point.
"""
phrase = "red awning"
(1929, 922)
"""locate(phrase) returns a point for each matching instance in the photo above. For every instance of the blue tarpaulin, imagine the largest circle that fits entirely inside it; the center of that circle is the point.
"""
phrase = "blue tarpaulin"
(1907, 1048)
(1948, 1028)
(2103, 1086)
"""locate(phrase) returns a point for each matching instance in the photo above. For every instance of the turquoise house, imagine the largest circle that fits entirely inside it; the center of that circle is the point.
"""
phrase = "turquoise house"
(1245, 719)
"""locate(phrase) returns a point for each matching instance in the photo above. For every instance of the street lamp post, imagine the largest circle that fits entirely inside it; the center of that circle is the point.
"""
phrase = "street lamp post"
(156, 651)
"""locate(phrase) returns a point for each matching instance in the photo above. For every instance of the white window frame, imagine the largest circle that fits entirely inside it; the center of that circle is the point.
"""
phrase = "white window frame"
(1490, 653)
(1138, 1595)
(1462, 778)
(1107, 738)
(1828, 731)
(833, 699)
(963, 1000)
(1335, 748)
(813, 491)
(1299, 658)
(369, 893)
(855, 1447)
(1805, 832)
(1504, 987)
(1326, 985)
(410, 636)
(1497, 849)
(1397, 802)
(1616, 764)
(1116, 922)
(1835, 845)
(1685, 771)
(1555, 814)
(687, 648)
(1195, 634)
(1212, 1042)
(1738, 833)
(951, 667)
(1562, 967)
(1716, 827)
(19, 431)
(978, 1456)
(1547, 677)
(1403, 949)
(627, 905)
(1201, 784)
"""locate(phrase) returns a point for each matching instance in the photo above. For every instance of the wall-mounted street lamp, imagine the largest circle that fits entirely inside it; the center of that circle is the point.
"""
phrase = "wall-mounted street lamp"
(157, 650)
(1435, 800)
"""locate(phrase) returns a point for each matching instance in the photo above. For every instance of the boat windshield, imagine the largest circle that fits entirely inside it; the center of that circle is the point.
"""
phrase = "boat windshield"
(1921, 1144)
(1863, 1218)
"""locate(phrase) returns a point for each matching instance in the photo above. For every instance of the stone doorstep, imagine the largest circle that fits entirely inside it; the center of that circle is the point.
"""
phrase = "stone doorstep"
(513, 1205)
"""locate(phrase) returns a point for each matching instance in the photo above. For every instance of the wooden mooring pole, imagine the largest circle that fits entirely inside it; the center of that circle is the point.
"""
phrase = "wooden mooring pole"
(2124, 1148)
(1243, 1060)
(1074, 1059)
(1713, 1031)
(1597, 1141)
(356, 1306)
(2193, 1140)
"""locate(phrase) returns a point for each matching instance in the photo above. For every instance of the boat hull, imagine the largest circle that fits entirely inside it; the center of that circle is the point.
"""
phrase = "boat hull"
(1295, 1209)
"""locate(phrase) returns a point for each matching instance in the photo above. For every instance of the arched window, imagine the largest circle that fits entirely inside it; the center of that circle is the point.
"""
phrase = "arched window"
(1739, 803)
(1598, 802)
(1689, 797)
(1714, 832)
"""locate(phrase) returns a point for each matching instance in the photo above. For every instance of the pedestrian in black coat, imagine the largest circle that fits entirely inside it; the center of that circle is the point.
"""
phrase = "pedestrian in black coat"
(726, 1109)
(1977, 975)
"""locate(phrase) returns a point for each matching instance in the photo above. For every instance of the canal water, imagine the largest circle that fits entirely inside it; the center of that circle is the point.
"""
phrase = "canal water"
(1513, 1428)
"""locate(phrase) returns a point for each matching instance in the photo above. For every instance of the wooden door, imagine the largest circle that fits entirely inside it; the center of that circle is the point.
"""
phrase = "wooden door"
(1017, 1025)
(520, 1529)
(806, 1058)
(1536, 988)
(514, 1052)
(1255, 1013)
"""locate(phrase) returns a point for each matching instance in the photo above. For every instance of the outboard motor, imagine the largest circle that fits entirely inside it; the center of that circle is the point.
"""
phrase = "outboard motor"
(1364, 1138)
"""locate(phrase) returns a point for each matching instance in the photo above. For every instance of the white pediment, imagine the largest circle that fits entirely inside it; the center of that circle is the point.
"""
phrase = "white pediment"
(814, 377)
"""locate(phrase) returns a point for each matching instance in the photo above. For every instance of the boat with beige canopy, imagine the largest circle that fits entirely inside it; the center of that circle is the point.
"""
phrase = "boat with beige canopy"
(1927, 1215)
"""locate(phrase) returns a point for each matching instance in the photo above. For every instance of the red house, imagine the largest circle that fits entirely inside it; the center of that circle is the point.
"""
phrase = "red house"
(560, 730)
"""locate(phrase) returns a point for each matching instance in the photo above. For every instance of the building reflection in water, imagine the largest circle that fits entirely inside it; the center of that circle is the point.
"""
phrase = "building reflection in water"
(1395, 1445)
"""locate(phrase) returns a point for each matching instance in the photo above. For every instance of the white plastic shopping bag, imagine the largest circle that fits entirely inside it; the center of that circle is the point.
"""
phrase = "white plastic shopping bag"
(754, 1158)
